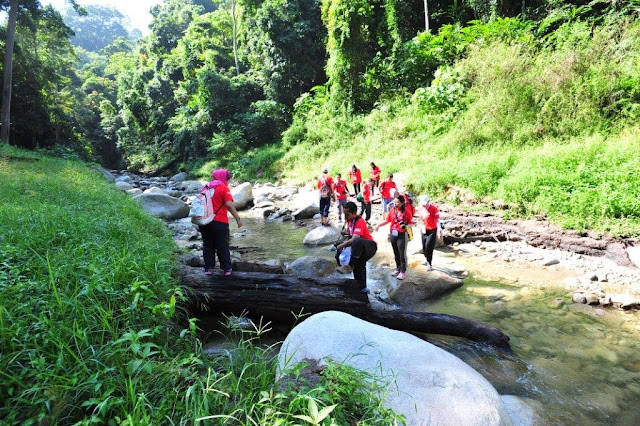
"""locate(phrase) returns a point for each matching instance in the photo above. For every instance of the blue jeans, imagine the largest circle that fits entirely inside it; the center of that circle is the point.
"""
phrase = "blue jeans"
(385, 204)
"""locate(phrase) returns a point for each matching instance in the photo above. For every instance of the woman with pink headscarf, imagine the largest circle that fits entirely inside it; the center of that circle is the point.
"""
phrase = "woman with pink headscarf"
(215, 235)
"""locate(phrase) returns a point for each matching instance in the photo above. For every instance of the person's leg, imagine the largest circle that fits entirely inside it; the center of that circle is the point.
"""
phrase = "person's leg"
(324, 210)
(222, 244)
(430, 244)
(362, 208)
(356, 188)
(396, 252)
(341, 204)
(367, 210)
(208, 247)
(402, 251)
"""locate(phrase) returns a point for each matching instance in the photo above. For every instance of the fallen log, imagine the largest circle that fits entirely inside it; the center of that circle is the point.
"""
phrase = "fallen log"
(287, 297)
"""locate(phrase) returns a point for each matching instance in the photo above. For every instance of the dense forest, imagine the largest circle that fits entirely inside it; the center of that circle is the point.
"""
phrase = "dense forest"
(491, 94)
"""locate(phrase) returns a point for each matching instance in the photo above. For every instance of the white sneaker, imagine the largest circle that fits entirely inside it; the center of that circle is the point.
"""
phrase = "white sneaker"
(401, 276)
(395, 273)
(429, 267)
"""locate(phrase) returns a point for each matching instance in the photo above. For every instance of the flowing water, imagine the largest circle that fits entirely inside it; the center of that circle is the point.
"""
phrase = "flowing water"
(579, 365)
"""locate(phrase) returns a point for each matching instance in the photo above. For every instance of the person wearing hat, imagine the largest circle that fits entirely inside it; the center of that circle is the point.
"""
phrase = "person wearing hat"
(325, 188)
(430, 217)
(388, 190)
(355, 176)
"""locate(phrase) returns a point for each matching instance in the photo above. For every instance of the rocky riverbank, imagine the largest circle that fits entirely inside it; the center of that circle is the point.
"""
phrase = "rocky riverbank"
(598, 270)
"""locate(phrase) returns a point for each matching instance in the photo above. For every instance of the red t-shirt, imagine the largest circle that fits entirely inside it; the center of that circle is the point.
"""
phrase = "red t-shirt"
(366, 193)
(386, 187)
(341, 189)
(395, 216)
(220, 197)
(359, 228)
(375, 173)
(429, 217)
(355, 177)
(329, 181)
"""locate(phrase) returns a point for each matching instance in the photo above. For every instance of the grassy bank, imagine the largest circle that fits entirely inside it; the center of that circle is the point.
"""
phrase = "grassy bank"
(548, 125)
(89, 308)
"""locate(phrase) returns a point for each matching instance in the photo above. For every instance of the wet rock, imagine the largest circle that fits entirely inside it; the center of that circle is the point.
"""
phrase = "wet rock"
(134, 191)
(191, 186)
(311, 266)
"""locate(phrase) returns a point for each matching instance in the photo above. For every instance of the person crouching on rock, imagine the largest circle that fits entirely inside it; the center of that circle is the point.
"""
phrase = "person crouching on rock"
(215, 234)
(399, 218)
(363, 247)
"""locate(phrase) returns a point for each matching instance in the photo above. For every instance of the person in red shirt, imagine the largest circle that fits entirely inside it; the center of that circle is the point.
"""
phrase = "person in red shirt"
(375, 175)
(341, 194)
(215, 234)
(325, 188)
(430, 218)
(363, 247)
(388, 190)
(355, 177)
(399, 219)
(365, 203)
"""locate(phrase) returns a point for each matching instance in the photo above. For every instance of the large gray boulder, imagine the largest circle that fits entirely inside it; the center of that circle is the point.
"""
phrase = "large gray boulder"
(191, 186)
(123, 186)
(180, 177)
(321, 235)
(163, 206)
(155, 190)
(242, 195)
(428, 385)
(419, 286)
(306, 206)
(311, 266)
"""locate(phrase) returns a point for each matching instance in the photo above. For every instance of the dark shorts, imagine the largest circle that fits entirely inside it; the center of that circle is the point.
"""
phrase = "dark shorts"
(325, 203)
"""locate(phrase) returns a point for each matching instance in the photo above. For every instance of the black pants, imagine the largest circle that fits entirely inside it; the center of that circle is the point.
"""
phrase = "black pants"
(399, 245)
(361, 251)
(356, 188)
(429, 243)
(365, 208)
(215, 238)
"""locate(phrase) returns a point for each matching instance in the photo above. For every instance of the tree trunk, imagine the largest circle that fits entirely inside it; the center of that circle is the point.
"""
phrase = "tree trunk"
(235, 35)
(5, 119)
(426, 16)
(287, 297)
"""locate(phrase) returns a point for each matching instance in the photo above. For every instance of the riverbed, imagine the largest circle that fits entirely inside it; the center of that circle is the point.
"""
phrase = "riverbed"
(578, 364)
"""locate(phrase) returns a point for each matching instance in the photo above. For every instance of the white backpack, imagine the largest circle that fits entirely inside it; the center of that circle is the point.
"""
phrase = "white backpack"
(201, 212)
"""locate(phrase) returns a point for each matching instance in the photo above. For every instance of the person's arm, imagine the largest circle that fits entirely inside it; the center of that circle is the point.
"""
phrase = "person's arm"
(347, 243)
(234, 213)
(381, 224)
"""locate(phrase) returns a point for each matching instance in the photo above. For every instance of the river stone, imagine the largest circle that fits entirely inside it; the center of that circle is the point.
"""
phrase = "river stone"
(124, 178)
(180, 177)
(427, 385)
(123, 186)
(634, 255)
(134, 191)
(420, 286)
(523, 411)
(242, 195)
(106, 173)
(311, 266)
(191, 186)
(321, 235)
(155, 190)
(163, 206)
(306, 210)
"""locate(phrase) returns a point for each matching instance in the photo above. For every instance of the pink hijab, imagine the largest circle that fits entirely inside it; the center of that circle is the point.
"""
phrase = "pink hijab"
(219, 177)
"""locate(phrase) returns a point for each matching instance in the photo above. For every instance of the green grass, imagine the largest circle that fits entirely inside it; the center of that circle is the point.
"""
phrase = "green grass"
(550, 128)
(89, 314)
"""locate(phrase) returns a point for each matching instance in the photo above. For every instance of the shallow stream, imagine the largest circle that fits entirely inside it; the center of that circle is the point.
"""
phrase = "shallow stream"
(580, 365)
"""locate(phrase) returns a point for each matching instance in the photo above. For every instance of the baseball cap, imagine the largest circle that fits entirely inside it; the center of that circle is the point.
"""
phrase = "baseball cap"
(325, 170)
